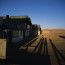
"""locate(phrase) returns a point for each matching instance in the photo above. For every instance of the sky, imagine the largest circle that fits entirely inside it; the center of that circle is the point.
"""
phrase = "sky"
(50, 14)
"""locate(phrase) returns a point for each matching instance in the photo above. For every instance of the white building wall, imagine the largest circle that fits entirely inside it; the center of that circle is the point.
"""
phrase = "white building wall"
(38, 32)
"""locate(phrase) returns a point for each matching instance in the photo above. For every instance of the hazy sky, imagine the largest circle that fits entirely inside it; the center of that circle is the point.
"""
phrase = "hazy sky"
(50, 14)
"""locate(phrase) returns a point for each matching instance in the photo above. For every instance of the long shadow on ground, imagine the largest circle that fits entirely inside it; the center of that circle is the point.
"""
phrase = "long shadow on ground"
(56, 52)
(16, 56)
(24, 42)
(62, 37)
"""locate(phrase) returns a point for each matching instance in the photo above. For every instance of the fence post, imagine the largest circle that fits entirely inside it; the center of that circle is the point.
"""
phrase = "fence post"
(9, 45)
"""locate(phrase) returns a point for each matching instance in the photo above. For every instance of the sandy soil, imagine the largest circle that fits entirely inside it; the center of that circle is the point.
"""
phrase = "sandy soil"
(55, 47)
(46, 49)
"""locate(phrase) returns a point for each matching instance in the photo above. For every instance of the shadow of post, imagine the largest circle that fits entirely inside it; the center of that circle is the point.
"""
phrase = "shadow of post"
(62, 37)
(46, 54)
(42, 59)
(37, 46)
(28, 45)
(23, 57)
(24, 42)
(31, 42)
(40, 47)
(56, 51)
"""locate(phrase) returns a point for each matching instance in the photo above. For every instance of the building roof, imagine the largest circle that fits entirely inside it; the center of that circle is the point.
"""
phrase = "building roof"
(14, 17)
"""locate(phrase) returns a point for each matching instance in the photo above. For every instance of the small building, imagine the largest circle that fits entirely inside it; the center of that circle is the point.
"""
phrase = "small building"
(36, 30)
(19, 26)
(39, 29)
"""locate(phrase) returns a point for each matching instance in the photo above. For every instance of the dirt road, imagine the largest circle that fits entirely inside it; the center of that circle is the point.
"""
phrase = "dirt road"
(46, 49)
(50, 45)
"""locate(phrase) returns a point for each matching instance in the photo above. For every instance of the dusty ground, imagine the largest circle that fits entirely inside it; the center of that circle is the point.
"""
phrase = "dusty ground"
(56, 46)
(55, 40)
(46, 49)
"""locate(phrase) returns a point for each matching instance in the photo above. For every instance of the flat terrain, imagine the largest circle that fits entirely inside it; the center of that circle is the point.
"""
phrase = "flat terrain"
(56, 46)
(53, 45)
(46, 49)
